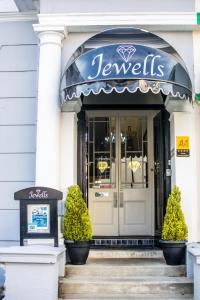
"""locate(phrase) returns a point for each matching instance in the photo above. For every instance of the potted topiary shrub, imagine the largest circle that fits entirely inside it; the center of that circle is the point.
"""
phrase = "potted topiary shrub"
(77, 226)
(174, 231)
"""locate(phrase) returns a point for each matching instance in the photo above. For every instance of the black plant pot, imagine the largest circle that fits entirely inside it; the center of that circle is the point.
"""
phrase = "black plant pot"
(78, 251)
(174, 252)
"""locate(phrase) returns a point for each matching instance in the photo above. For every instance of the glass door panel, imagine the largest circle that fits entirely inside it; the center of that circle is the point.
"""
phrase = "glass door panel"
(135, 203)
(103, 201)
(134, 156)
(102, 173)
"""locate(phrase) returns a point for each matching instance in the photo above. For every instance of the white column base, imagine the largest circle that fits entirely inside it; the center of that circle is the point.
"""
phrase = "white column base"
(193, 270)
(32, 272)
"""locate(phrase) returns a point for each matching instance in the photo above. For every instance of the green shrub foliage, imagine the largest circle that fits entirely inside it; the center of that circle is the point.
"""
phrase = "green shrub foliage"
(174, 227)
(77, 223)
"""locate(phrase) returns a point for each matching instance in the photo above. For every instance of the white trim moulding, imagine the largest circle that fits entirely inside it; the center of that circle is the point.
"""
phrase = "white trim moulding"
(85, 22)
(18, 16)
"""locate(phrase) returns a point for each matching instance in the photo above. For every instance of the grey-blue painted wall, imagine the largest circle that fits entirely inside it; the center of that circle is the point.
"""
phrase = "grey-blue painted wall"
(18, 106)
(85, 6)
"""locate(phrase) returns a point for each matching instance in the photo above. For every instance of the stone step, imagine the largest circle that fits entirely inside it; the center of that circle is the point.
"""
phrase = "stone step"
(165, 286)
(125, 267)
(134, 297)
(126, 253)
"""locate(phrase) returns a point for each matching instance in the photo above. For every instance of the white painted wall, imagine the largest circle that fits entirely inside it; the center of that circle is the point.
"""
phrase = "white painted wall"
(68, 156)
(54, 6)
(185, 171)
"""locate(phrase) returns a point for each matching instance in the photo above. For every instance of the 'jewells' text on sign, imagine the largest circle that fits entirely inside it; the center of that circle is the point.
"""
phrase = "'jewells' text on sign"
(148, 67)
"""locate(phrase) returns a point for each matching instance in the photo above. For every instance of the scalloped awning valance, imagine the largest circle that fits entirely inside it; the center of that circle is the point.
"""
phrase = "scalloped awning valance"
(125, 59)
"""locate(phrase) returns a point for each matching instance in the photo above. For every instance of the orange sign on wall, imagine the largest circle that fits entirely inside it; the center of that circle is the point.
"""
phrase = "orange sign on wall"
(183, 146)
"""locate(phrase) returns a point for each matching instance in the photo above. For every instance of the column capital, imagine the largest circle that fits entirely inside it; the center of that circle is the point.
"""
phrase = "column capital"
(176, 105)
(72, 106)
(50, 34)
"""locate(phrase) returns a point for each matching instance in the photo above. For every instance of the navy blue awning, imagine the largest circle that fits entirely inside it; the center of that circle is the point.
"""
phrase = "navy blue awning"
(125, 59)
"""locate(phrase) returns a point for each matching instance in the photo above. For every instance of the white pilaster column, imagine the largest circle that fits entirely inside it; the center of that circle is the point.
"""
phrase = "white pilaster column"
(48, 113)
(197, 5)
(69, 144)
(196, 51)
(184, 121)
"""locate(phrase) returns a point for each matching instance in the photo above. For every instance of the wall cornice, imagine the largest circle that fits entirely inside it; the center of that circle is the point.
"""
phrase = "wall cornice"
(85, 22)
(18, 17)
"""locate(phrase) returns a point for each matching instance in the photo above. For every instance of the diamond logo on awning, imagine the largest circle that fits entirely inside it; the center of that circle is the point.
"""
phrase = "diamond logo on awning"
(126, 52)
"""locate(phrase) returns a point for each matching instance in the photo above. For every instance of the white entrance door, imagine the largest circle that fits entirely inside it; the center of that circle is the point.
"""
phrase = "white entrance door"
(120, 156)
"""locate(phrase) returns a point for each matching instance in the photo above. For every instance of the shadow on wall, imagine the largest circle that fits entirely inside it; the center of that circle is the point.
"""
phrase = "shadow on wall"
(2, 281)
(124, 98)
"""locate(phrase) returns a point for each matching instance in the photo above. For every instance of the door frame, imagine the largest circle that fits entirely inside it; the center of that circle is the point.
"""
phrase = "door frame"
(150, 114)
(162, 156)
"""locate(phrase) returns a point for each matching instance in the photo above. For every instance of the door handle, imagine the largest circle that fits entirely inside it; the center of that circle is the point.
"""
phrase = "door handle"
(121, 194)
(115, 199)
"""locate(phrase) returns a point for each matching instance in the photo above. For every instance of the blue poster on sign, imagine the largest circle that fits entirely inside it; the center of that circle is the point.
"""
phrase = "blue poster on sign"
(38, 218)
